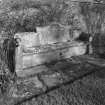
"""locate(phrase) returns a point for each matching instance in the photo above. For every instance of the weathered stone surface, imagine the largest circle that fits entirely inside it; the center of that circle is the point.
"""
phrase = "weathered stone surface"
(32, 71)
(37, 59)
(53, 33)
(28, 39)
(52, 79)
(47, 54)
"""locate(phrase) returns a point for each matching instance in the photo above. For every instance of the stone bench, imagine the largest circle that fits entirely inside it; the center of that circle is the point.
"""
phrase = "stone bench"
(32, 57)
(28, 56)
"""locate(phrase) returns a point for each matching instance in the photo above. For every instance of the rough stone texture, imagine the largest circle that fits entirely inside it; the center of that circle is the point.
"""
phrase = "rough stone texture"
(53, 33)
(28, 39)
(52, 79)
(32, 56)
(32, 71)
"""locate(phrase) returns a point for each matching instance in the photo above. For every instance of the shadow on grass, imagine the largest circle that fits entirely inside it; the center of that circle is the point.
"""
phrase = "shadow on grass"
(56, 87)
(100, 74)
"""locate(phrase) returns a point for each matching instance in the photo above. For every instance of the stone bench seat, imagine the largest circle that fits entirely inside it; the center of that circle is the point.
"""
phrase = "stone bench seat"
(49, 47)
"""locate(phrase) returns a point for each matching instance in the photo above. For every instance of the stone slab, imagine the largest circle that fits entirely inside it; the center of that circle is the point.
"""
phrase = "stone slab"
(52, 79)
(32, 71)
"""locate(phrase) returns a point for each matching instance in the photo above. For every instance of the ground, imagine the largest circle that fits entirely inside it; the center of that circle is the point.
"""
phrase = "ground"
(76, 81)
(89, 90)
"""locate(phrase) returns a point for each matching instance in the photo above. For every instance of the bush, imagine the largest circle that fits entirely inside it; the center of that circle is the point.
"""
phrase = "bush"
(5, 76)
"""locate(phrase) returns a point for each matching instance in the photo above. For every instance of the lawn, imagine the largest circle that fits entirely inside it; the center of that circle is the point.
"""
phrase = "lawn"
(89, 90)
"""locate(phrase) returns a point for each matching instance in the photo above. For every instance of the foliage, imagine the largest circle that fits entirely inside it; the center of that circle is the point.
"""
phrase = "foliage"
(71, 16)
(28, 14)
(69, 13)
(5, 77)
(94, 16)
(23, 15)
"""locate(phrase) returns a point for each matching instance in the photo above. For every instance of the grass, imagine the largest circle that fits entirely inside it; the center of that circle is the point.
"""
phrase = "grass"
(87, 91)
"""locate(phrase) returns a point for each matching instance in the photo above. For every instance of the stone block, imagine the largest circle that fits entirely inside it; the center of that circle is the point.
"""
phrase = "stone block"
(52, 79)
(32, 71)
